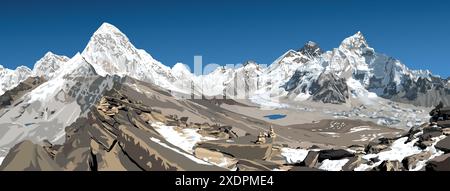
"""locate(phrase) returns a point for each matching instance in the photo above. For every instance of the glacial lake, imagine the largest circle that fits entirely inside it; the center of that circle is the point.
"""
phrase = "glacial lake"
(275, 116)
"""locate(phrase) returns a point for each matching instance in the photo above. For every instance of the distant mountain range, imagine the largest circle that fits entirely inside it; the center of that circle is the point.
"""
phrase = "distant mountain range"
(352, 71)
(110, 86)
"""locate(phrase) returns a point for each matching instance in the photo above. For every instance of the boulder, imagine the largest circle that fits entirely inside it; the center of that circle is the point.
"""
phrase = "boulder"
(375, 159)
(429, 135)
(410, 162)
(414, 130)
(27, 156)
(423, 144)
(444, 145)
(333, 154)
(389, 166)
(241, 148)
(184, 119)
(353, 163)
(430, 129)
(440, 163)
(387, 141)
(311, 159)
(374, 148)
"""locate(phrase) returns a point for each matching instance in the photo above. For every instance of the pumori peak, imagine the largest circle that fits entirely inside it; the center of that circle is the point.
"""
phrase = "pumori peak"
(110, 52)
(108, 28)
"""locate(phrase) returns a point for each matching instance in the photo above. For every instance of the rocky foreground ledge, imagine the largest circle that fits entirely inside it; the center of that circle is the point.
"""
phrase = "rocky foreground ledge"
(123, 134)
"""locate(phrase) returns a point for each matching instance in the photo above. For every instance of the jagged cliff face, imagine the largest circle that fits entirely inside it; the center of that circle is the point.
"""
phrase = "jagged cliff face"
(11, 96)
(424, 91)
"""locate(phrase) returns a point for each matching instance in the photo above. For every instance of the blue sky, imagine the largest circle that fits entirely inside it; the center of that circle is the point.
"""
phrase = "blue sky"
(228, 32)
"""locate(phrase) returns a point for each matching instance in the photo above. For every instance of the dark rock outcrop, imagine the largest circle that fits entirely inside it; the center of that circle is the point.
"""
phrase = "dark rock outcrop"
(330, 89)
(373, 148)
(410, 162)
(429, 133)
(440, 163)
(353, 163)
(421, 92)
(444, 145)
(327, 88)
(311, 159)
(11, 96)
(334, 154)
(311, 49)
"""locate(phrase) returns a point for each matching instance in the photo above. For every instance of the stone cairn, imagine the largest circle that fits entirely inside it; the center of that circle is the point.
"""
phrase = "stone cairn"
(107, 108)
(272, 133)
(262, 136)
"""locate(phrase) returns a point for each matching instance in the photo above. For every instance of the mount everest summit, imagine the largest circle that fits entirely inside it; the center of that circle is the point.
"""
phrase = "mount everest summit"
(351, 81)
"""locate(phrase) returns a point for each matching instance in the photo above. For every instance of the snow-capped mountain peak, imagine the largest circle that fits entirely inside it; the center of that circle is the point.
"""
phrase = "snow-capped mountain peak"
(110, 52)
(181, 71)
(366, 73)
(311, 49)
(22, 70)
(49, 65)
(356, 43)
(108, 28)
(11, 78)
(249, 63)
